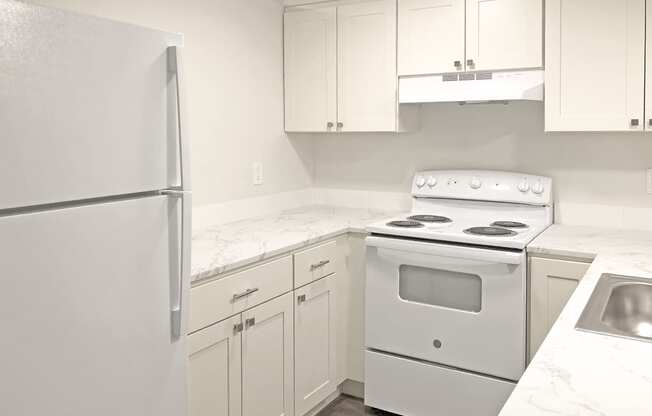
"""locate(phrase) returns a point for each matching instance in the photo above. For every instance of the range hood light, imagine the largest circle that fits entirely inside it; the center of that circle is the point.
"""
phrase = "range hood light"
(497, 87)
(503, 102)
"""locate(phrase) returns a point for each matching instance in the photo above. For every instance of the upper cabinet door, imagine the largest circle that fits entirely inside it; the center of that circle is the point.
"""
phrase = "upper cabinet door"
(367, 66)
(504, 34)
(648, 69)
(310, 69)
(595, 64)
(430, 36)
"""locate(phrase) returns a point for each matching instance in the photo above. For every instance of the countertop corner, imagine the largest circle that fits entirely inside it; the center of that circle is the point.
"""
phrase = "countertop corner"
(226, 247)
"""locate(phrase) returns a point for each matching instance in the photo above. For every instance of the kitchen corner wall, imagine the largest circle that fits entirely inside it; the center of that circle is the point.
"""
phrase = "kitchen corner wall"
(234, 76)
(599, 178)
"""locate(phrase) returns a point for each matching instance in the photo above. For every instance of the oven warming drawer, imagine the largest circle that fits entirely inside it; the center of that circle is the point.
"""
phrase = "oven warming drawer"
(417, 388)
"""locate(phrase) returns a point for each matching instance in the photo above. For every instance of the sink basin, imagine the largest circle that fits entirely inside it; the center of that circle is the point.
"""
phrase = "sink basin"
(619, 306)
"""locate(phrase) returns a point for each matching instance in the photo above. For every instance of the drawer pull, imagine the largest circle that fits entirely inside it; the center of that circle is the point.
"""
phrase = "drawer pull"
(316, 266)
(244, 294)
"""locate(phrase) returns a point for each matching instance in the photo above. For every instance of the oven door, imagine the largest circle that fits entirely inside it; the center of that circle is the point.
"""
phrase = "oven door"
(456, 305)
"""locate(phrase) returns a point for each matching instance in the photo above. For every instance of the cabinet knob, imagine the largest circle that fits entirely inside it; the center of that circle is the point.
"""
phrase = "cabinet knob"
(457, 64)
(301, 299)
(634, 122)
(329, 125)
(649, 122)
(340, 124)
(470, 62)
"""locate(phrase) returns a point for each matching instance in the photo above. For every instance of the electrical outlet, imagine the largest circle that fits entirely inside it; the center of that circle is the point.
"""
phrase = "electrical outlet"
(257, 169)
(648, 181)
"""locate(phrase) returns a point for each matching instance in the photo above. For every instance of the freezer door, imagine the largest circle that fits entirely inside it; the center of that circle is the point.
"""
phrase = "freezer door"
(85, 311)
(88, 107)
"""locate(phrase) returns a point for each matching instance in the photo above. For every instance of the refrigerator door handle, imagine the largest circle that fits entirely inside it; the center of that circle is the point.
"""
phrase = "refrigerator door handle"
(176, 296)
(175, 66)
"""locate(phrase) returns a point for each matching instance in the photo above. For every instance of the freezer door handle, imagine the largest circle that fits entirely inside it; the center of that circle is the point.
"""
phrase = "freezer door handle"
(176, 295)
(175, 67)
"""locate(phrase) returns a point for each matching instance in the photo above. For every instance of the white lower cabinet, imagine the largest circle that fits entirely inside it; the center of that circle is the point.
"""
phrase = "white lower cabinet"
(243, 365)
(315, 328)
(283, 351)
(552, 282)
(214, 370)
(267, 359)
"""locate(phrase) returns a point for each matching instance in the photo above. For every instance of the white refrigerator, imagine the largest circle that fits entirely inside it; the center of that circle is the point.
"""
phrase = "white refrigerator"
(94, 216)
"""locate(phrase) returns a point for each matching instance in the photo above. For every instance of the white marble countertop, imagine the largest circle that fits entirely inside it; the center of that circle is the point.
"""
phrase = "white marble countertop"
(221, 248)
(579, 373)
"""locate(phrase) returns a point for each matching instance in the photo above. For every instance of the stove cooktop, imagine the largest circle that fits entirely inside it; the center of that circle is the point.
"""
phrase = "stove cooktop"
(474, 207)
(480, 229)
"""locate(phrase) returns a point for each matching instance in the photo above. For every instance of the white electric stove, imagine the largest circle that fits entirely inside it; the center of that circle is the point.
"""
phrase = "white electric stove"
(446, 293)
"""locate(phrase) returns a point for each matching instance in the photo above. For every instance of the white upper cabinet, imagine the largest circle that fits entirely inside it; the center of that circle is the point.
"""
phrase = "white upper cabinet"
(367, 66)
(340, 68)
(648, 67)
(504, 34)
(310, 69)
(430, 36)
(595, 65)
(439, 36)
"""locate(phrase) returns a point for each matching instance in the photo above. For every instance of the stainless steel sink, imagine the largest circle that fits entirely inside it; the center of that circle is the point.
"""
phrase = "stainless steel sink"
(619, 306)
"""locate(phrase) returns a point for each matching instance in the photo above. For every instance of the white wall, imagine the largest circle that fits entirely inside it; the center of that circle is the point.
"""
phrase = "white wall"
(235, 91)
(234, 77)
(593, 171)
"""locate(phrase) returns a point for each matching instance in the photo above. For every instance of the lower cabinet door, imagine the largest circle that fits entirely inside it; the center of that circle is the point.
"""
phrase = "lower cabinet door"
(552, 282)
(315, 326)
(214, 368)
(267, 359)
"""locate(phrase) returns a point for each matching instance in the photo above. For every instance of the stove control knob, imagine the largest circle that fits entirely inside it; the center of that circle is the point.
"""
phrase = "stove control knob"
(475, 183)
(420, 181)
(537, 188)
(524, 186)
(432, 181)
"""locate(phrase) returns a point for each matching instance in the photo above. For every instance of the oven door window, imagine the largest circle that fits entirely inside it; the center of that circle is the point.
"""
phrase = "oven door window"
(445, 288)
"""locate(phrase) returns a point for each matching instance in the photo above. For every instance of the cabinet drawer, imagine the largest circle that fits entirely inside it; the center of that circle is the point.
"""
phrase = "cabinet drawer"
(233, 294)
(314, 263)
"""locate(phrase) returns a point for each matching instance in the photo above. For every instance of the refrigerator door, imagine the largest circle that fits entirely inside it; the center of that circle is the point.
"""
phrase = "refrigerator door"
(85, 310)
(89, 107)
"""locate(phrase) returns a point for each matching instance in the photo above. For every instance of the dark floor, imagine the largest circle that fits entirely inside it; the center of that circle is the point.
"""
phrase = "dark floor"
(350, 406)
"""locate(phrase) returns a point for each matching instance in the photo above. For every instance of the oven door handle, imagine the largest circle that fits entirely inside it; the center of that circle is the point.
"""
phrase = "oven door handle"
(448, 250)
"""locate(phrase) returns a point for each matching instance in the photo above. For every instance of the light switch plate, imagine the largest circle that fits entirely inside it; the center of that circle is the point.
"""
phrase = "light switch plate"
(648, 181)
(257, 170)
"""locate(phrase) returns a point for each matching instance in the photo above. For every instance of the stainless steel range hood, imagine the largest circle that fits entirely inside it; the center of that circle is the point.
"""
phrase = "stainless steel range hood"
(472, 87)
